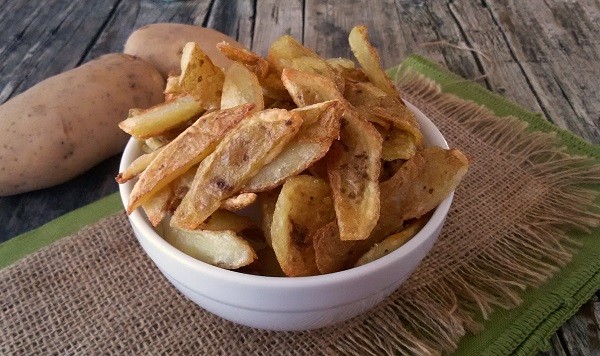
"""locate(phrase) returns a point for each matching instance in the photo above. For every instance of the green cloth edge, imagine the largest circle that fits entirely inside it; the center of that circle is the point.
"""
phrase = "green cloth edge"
(31, 241)
(526, 329)
(523, 330)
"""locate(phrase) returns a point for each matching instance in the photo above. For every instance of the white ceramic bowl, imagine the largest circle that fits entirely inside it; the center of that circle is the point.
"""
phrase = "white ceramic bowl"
(279, 303)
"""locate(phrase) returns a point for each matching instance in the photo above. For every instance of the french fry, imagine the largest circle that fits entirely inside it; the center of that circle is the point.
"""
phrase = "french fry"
(240, 87)
(162, 117)
(238, 202)
(137, 166)
(303, 205)
(402, 197)
(200, 78)
(393, 242)
(156, 207)
(353, 166)
(222, 220)
(223, 249)
(320, 126)
(308, 88)
(187, 150)
(369, 60)
(267, 201)
(255, 63)
(244, 151)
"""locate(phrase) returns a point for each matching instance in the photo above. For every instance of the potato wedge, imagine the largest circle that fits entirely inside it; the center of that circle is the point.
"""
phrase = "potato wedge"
(320, 126)
(370, 61)
(267, 201)
(393, 242)
(405, 196)
(286, 52)
(240, 87)
(187, 150)
(308, 88)
(255, 63)
(304, 204)
(162, 117)
(222, 220)
(200, 78)
(242, 153)
(137, 166)
(418, 187)
(353, 166)
(157, 206)
(223, 249)
(238, 202)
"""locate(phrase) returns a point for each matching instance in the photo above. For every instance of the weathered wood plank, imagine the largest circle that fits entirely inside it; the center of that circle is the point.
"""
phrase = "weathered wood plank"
(494, 56)
(556, 348)
(41, 41)
(556, 45)
(274, 19)
(234, 18)
(581, 333)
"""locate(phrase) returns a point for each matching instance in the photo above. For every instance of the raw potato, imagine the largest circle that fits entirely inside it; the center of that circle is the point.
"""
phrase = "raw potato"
(68, 123)
(161, 44)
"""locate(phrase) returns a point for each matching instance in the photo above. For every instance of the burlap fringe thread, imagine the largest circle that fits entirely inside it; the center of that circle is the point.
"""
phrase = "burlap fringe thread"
(433, 315)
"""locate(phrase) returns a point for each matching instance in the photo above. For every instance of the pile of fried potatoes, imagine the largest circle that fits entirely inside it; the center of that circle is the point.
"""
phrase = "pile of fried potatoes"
(328, 150)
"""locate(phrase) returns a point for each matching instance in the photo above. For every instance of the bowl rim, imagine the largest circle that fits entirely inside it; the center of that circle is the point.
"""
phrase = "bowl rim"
(148, 233)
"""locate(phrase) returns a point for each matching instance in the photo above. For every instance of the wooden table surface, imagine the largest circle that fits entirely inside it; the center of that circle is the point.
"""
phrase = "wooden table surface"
(543, 54)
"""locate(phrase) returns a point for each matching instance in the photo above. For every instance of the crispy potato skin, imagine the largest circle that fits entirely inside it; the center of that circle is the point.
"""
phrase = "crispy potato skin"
(68, 123)
(161, 44)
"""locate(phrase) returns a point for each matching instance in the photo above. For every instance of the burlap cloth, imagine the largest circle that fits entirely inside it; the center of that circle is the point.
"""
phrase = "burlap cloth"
(97, 291)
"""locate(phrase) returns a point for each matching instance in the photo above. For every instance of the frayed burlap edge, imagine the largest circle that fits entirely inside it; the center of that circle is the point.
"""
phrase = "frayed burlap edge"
(432, 315)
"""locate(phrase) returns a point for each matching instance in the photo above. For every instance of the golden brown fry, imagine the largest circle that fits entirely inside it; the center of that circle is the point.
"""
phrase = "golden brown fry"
(187, 150)
(393, 242)
(225, 249)
(137, 166)
(418, 187)
(402, 198)
(156, 207)
(254, 143)
(240, 87)
(222, 220)
(161, 118)
(397, 144)
(368, 58)
(200, 77)
(320, 126)
(238, 202)
(353, 166)
(308, 88)
(267, 201)
(255, 63)
(303, 205)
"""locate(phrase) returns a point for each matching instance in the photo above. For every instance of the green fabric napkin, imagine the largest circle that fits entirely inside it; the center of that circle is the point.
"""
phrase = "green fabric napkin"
(523, 330)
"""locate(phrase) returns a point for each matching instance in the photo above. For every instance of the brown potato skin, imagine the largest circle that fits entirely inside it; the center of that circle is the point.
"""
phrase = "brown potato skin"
(67, 123)
(161, 44)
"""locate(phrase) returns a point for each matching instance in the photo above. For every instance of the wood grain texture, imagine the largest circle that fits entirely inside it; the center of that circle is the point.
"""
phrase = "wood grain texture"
(543, 54)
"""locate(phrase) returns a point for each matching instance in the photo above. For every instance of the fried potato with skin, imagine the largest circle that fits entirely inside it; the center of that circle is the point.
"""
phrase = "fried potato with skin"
(255, 63)
(162, 117)
(370, 61)
(417, 188)
(200, 78)
(240, 87)
(137, 166)
(223, 249)
(304, 204)
(242, 153)
(307, 88)
(187, 150)
(267, 201)
(238, 202)
(222, 220)
(157, 206)
(320, 126)
(353, 166)
(393, 242)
